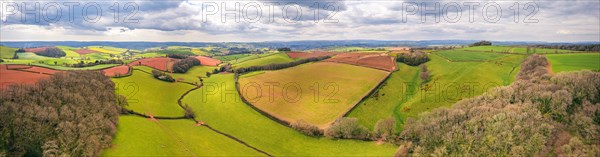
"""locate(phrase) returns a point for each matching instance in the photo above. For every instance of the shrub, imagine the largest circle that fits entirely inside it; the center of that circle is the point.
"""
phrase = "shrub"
(188, 112)
(424, 75)
(385, 128)
(306, 128)
(162, 76)
(70, 114)
(347, 128)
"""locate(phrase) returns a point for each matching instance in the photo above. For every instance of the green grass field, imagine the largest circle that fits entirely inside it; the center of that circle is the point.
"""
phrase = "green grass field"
(193, 74)
(221, 107)
(143, 137)
(301, 95)
(108, 49)
(574, 62)
(7, 52)
(457, 55)
(262, 60)
(231, 57)
(449, 83)
(389, 97)
(151, 96)
(488, 48)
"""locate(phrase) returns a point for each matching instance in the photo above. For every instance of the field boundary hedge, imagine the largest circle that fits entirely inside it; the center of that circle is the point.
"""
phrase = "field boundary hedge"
(373, 90)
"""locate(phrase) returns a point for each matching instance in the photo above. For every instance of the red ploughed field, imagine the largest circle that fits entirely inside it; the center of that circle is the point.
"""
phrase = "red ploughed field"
(208, 61)
(159, 63)
(85, 51)
(304, 55)
(121, 70)
(8, 77)
(377, 61)
(36, 49)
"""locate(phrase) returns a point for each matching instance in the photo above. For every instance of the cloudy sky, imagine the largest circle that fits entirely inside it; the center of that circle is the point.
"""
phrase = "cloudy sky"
(284, 20)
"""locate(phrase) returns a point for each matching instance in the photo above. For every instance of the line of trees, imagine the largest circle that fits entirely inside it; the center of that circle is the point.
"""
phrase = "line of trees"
(52, 52)
(72, 113)
(97, 62)
(182, 66)
(178, 55)
(279, 66)
(413, 59)
(162, 76)
(527, 118)
(576, 47)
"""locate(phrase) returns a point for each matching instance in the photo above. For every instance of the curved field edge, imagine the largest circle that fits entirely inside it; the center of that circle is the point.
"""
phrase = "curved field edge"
(221, 107)
(141, 91)
(449, 83)
(320, 100)
(145, 137)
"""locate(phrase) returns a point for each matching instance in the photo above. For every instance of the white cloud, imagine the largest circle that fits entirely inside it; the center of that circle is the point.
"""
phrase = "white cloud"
(379, 20)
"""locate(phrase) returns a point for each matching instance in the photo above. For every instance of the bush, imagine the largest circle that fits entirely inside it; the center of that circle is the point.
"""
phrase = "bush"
(188, 112)
(424, 75)
(385, 128)
(182, 66)
(52, 52)
(306, 128)
(347, 128)
(162, 76)
(412, 59)
(70, 114)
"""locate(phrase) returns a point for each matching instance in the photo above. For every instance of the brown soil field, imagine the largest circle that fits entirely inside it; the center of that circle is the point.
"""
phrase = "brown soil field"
(310, 55)
(8, 77)
(121, 70)
(208, 61)
(37, 49)
(41, 70)
(160, 63)
(377, 61)
(85, 51)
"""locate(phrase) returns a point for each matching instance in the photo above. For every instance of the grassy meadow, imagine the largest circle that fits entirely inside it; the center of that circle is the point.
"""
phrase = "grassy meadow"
(141, 90)
(262, 60)
(574, 62)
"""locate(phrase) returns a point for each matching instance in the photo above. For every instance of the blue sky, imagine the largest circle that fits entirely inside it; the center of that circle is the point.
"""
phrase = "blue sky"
(280, 20)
